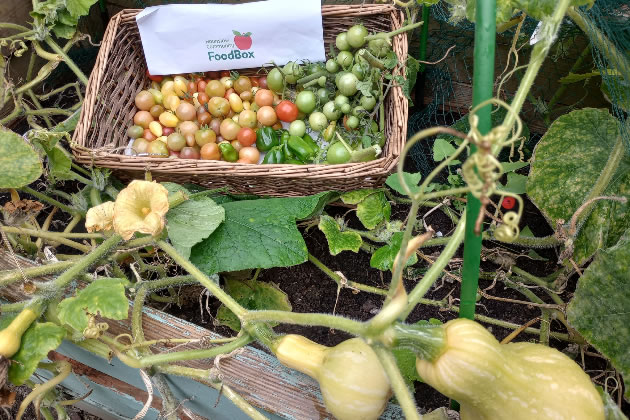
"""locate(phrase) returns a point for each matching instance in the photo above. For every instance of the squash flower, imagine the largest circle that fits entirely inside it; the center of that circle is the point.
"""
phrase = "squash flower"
(100, 217)
(140, 207)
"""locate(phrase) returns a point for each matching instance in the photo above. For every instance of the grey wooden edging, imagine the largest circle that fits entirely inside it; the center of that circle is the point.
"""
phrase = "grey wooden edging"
(120, 393)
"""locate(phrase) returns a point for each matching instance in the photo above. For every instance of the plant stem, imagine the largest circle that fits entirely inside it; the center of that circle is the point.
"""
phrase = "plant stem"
(84, 263)
(204, 377)
(52, 44)
(52, 201)
(618, 59)
(10, 276)
(163, 358)
(387, 35)
(550, 28)
(205, 281)
(169, 402)
(404, 397)
(12, 307)
(52, 235)
(55, 236)
(308, 319)
(533, 242)
(436, 268)
(342, 282)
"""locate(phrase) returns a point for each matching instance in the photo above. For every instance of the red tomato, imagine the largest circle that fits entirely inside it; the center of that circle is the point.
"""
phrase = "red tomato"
(201, 86)
(154, 78)
(262, 82)
(212, 75)
(246, 136)
(254, 81)
(508, 203)
(228, 92)
(225, 73)
(287, 111)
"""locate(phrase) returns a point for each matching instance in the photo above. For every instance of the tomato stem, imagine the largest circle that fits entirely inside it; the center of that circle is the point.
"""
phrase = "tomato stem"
(312, 77)
(388, 35)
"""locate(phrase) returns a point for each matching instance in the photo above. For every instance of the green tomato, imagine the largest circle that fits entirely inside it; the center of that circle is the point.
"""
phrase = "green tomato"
(356, 36)
(275, 80)
(331, 112)
(337, 153)
(379, 47)
(346, 108)
(340, 100)
(292, 71)
(368, 102)
(321, 81)
(359, 70)
(352, 122)
(341, 42)
(135, 131)
(317, 121)
(297, 128)
(322, 95)
(347, 84)
(358, 111)
(331, 66)
(306, 101)
(345, 59)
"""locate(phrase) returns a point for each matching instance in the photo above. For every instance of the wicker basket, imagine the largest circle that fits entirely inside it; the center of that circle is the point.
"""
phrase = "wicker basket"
(119, 74)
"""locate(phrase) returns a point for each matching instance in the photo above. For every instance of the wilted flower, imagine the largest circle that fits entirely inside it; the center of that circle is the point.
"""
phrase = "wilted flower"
(100, 217)
(140, 207)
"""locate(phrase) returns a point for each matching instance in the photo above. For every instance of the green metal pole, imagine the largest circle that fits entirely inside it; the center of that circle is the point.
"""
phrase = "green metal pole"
(483, 81)
(424, 35)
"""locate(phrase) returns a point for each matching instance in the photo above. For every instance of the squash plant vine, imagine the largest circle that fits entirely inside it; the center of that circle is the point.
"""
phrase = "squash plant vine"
(142, 224)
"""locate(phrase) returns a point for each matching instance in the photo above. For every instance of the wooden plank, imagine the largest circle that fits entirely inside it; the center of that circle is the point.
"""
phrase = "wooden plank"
(254, 374)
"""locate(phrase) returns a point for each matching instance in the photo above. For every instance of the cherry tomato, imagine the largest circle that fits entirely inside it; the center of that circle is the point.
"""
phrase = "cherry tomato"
(204, 136)
(224, 73)
(267, 116)
(167, 131)
(215, 88)
(287, 111)
(247, 118)
(262, 82)
(176, 142)
(142, 118)
(210, 151)
(263, 97)
(201, 85)
(154, 78)
(144, 100)
(212, 74)
(254, 81)
(249, 155)
(189, 153)
(185, 111)
(229, 129)
(215, 125)
(247, 95)
(135, 131)
(508, 203)
(203, 98)
(246, 136)
(140, 145)
(157, 149)
(242, 84)
(156, 110)
(204, 118)
(219, 107)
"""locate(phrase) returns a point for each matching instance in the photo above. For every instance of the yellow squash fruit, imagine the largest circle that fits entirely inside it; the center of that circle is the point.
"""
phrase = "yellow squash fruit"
(515, 381)
(353, 383)
(11, 336)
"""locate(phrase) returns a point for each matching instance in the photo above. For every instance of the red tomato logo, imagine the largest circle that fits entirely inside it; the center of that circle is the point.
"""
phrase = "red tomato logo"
(244, 41)
(508, 203)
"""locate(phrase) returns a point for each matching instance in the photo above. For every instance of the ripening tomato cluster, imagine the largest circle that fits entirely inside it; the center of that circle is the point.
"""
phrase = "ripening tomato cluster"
(211, 116)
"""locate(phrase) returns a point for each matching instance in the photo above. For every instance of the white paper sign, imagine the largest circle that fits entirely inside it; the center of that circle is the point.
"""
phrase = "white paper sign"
(185, 38)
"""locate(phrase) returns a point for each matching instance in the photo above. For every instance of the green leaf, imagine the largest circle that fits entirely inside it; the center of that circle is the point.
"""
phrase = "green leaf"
(337, 240)
(37, 341)
(620, 94)
(79, 7)
(64, 31)
(413, 66)
(258, 234)
(412, 181)
(513, 166)
(365, 88)
(515, 183)
(19, 163)
(566, 165)
(193, 221)
(372, 206)
(390, 60)
(104, 297)
(252, 295)
(442, 149)
(383, 258)
(600, 309)
(406, 361)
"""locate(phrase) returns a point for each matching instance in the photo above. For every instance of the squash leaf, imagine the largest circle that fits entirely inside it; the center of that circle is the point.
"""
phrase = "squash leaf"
(37, 341)
(192, 221)
(384, 257)
(337, 240)
(104, 297)
(372, 206)
(564, 168)
(411, 179)
(258, 234)
(600, 309)
(19, 163)
(253, 295)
